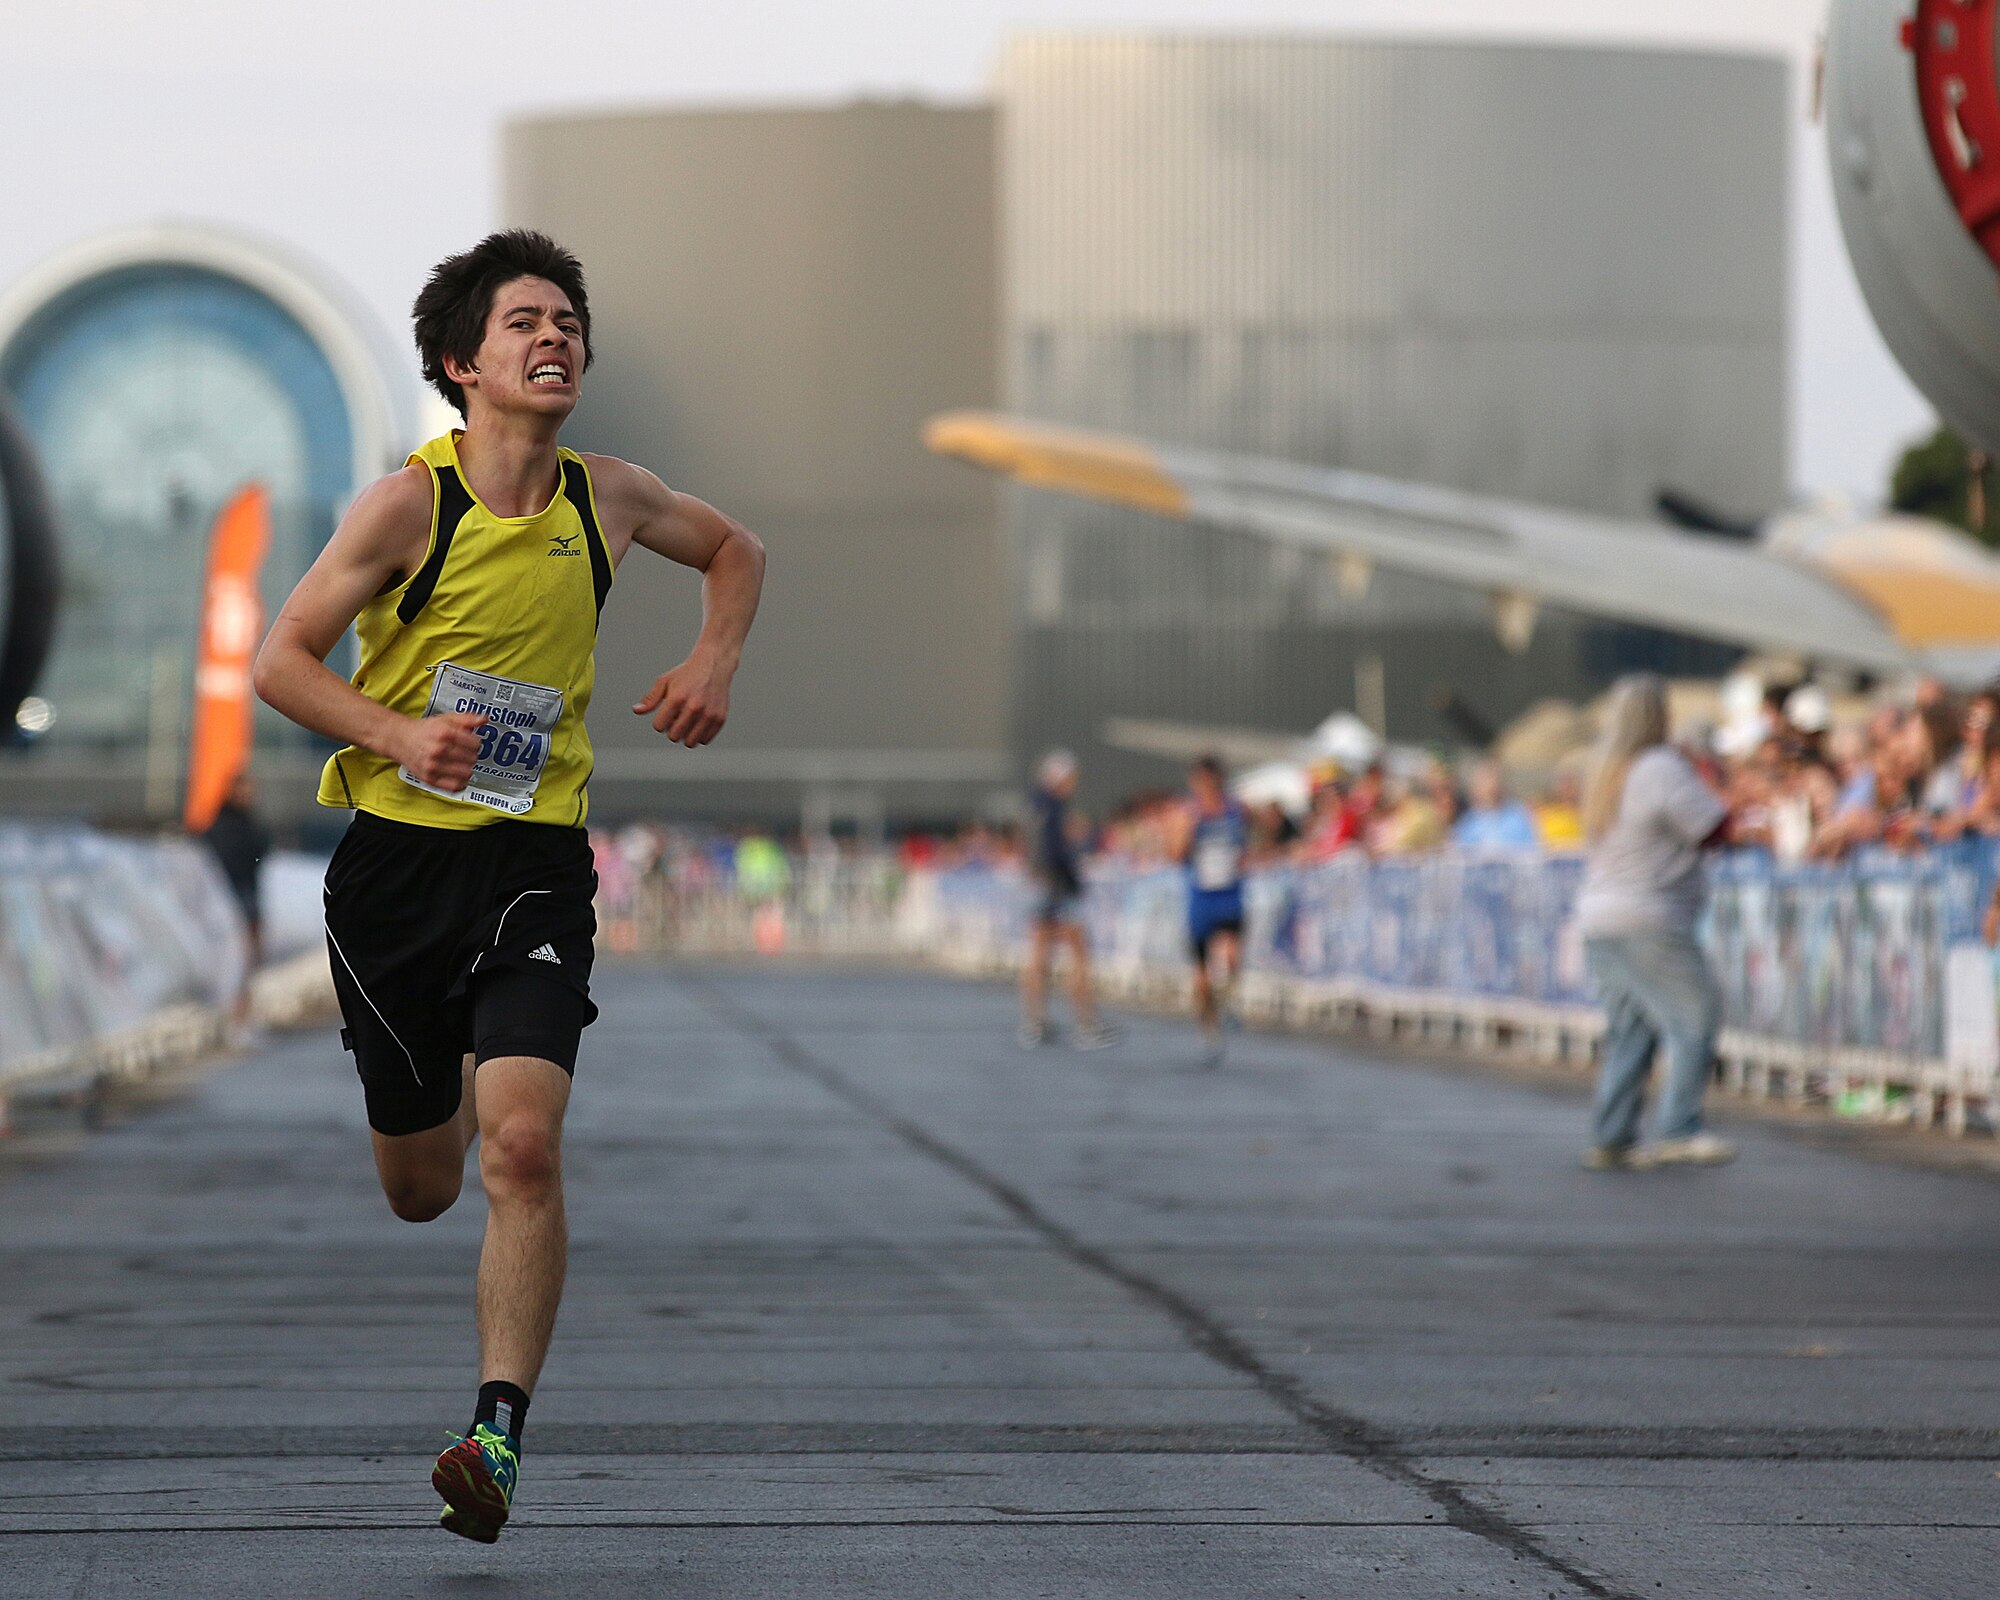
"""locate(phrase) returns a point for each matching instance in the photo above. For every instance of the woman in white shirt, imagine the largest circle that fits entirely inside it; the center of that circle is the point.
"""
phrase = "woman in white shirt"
(1647, 819)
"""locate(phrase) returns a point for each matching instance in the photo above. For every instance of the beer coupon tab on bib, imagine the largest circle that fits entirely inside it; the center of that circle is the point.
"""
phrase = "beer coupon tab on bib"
(521, 722)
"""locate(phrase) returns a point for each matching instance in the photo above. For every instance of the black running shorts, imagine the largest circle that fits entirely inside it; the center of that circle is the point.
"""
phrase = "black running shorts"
(447, 942)
(1055, 904)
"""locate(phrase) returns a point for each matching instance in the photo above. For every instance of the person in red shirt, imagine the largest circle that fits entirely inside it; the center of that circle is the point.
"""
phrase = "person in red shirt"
(1330, 828)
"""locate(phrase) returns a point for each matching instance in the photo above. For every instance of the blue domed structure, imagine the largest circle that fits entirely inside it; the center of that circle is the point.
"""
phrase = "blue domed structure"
(156, 372)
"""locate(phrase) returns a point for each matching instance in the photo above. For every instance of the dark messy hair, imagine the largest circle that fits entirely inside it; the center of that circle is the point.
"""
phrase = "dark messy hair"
(1210, 764)
(451, 312)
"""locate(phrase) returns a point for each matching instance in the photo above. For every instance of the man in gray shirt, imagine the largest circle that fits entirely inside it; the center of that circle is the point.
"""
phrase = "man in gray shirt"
(1644, 875)
(1648, 816)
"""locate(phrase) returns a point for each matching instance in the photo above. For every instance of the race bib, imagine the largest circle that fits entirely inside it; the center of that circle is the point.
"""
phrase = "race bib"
(1217, 863)
(521, 722)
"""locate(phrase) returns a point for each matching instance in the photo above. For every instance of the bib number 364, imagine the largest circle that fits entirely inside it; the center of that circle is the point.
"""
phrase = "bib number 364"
(521, 720)
(506, 748)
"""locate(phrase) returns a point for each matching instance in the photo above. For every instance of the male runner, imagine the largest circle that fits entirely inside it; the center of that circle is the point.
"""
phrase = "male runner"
(1057, 917)
(1211, 840)
(458, 904)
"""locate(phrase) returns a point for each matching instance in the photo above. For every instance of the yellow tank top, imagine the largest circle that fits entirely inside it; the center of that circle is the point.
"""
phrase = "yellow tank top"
(500, 617)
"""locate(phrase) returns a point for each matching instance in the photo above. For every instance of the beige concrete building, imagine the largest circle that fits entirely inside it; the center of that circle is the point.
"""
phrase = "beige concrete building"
(780, 299)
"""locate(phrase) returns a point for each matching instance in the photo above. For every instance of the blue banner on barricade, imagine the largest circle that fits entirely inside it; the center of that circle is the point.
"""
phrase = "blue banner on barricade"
(1849, 954)
(99, 934)
(1853, 954)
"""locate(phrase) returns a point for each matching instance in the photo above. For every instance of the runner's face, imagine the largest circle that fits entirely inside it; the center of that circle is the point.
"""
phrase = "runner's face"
(532, 356)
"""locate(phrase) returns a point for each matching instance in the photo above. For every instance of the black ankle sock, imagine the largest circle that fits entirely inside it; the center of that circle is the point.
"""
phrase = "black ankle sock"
(503, 1407)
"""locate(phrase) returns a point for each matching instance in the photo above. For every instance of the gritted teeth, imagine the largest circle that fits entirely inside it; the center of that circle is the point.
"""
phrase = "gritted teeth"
(549, 372)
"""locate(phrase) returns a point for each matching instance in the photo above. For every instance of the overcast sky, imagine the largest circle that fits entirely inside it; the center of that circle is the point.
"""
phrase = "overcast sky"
(364, 131)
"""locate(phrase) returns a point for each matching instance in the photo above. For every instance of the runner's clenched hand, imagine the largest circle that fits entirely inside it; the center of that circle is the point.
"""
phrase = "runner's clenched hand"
(689, 704)
(440, 750)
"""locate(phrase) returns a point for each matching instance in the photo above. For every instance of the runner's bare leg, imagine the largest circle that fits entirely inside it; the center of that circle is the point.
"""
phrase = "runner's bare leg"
(1229, 951)
(521, 1102)
(1035, 978)
(422, 1173)
(1205, 1014)
(1082, 1002)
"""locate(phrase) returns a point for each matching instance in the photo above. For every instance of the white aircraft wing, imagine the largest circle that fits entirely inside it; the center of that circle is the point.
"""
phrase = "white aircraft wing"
(1184, 742)
(1883, 610)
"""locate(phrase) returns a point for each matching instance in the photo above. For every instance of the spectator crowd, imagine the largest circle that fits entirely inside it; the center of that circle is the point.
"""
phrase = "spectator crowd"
(1903, 774)
(1913, 771)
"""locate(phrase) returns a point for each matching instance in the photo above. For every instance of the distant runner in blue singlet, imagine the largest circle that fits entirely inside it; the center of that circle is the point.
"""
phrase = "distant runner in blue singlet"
(1213, 844)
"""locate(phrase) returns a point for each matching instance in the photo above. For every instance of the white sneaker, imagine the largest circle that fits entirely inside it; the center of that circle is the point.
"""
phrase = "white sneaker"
(1698, 1150)
(1032, 1037)
(1101, 1037)
(1617, 1158)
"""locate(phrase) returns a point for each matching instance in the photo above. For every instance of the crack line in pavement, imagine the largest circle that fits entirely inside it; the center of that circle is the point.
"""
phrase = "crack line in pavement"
(60, 1444)
(972, 1524)
(1346, 1434)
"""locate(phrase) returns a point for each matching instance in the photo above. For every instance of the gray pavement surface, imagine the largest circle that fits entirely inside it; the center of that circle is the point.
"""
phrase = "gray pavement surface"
(865, 1300)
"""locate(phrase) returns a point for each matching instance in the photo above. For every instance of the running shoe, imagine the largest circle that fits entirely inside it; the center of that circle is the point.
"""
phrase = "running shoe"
(1617, 1158)
(1035, 1036)
(476, 1478)
(1697, 1150)
(1100, 1037)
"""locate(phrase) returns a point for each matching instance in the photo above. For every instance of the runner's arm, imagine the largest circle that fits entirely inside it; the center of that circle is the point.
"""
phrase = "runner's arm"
(690, 703)
(378, 542)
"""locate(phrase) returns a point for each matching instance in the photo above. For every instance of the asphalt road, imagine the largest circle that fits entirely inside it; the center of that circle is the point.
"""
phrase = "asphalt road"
(867, 1301)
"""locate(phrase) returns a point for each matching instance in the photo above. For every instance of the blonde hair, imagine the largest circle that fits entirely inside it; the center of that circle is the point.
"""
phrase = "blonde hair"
(1635, 719)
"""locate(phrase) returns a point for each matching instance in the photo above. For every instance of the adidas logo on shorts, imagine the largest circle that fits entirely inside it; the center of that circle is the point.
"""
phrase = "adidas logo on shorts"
(545, 953)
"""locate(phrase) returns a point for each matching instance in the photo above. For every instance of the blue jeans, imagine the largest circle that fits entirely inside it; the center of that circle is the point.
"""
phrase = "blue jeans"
(1657, 991)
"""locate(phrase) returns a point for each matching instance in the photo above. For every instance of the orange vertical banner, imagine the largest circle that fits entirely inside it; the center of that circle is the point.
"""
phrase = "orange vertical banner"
(232, 620)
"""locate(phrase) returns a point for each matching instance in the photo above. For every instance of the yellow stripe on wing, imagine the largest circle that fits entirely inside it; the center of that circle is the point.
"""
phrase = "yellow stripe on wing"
(1100, 465)
(1927, 610)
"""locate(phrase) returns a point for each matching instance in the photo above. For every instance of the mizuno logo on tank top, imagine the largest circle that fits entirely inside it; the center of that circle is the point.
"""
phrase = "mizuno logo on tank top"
(493, 622)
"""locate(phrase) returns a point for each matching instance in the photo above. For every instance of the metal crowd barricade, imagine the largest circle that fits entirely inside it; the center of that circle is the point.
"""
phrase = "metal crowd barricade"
(829, 903)
(1860, 979)
(115, 954)
(1862, 982)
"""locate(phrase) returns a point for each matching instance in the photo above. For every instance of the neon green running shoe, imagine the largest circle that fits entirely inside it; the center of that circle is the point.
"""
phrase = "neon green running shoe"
(476, 1478)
